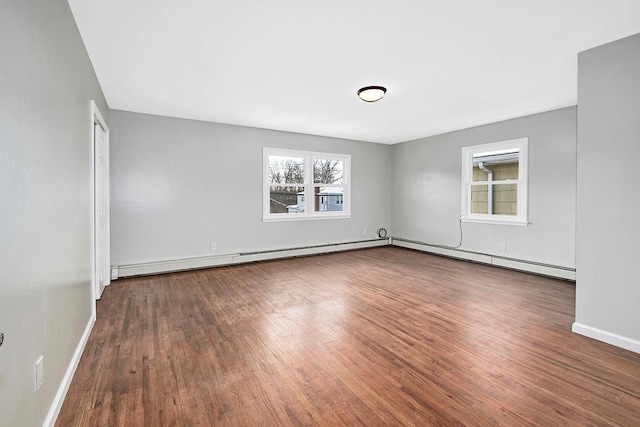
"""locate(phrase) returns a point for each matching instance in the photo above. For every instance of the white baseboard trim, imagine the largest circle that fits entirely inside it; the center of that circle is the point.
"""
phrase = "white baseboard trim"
(607, 337)
(529, 267)
(168, 266)
(311, 250)
(469, 256)
(237, 258)
(56, 405)
(158, 267)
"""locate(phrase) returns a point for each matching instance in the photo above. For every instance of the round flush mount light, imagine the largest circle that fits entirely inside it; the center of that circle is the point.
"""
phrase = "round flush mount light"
(372, 93)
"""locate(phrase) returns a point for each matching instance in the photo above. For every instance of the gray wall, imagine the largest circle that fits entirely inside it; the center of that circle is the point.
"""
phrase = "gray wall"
(426, 190)
(608, 290)
(178, 185)
(46, 82)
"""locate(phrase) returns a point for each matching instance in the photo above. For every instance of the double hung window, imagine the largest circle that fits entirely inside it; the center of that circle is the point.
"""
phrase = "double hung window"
(305, 185)
(494, 182)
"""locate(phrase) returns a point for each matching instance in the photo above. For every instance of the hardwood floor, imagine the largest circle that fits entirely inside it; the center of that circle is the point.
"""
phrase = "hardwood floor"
(376, 337)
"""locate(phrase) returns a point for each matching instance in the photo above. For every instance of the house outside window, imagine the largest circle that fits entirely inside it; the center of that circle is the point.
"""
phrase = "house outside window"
(494, 182)
(301, 185)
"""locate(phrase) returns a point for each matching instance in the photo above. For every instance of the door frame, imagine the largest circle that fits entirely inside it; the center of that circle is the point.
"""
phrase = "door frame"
(98, 119)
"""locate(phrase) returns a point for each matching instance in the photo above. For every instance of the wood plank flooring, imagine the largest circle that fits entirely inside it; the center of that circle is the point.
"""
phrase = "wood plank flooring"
(376, 337)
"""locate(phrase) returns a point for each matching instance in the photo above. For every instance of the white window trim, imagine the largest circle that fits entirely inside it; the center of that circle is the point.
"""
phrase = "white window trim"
(308, 185)
(521, 219)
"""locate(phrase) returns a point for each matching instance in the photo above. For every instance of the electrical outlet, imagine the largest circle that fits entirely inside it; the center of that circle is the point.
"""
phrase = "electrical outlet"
(39, 372)
(364, 231)
(214, 246)
(503, 246)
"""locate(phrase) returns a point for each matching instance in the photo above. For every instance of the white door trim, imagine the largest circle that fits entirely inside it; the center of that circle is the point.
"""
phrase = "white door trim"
(99, 250)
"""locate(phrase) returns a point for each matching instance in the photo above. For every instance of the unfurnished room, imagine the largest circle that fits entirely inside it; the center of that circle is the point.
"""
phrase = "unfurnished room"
(364, 213)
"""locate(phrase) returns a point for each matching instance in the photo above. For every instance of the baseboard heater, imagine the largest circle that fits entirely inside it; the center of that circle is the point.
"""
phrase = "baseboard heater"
(512, 263)
(157, 267)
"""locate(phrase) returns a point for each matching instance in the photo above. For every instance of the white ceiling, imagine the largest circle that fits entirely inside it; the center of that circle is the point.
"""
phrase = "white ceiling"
(295, 65)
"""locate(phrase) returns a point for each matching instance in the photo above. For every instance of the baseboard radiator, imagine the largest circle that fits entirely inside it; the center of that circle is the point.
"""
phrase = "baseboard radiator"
(157, 267)
(511, 263)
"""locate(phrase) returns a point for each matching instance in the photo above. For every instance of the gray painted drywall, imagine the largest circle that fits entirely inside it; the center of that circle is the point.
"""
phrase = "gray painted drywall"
(426, 190)
(177, 185)
(608, 287)
(46, 83)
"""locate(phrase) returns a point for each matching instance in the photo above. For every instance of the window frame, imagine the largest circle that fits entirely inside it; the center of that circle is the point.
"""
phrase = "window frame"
(309, 212)
(521, 218)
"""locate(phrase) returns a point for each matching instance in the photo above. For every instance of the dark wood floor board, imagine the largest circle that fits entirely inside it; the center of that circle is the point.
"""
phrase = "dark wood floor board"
(385, 336)
(537, 357)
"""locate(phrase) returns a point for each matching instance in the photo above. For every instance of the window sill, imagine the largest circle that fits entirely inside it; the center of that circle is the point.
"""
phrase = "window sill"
(294, 217)
(496, 221)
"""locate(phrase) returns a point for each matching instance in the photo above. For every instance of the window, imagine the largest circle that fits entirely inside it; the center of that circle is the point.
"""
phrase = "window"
(305, 185)
(494, 182)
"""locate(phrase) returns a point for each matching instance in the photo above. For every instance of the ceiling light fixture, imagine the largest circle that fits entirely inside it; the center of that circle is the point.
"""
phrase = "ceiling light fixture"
(372, 93)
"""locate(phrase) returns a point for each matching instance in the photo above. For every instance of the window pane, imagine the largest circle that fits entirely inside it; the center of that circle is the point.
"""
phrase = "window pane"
(286, 170)
(283, 199)
(328, 171)
(495, 178)
(328, 199)
(505, 171)
(479, 199)
(479, 174)
(503, 164)
(505, 199)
